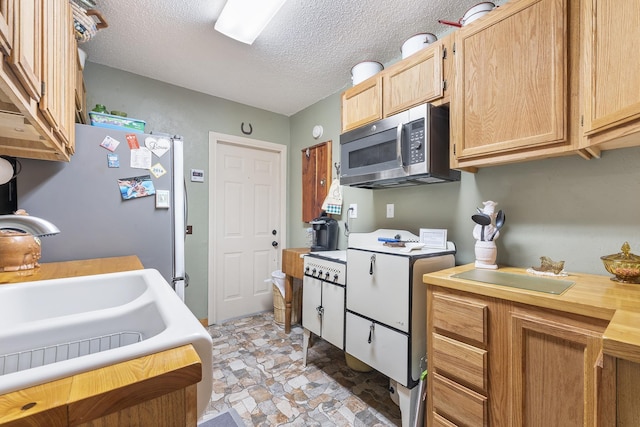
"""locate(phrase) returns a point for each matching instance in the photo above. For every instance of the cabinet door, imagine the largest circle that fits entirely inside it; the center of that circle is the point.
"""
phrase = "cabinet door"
(57, 52)
(415, 80)
(378, 287)
(333, 314)
(26, 55)
(362, 103)
(612, 81)
(6, 26)
(552, 357)
(311, 305)
(511, 83)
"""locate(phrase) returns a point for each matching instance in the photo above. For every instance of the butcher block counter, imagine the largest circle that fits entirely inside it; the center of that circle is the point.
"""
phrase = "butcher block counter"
(158, 389)
(504, 355)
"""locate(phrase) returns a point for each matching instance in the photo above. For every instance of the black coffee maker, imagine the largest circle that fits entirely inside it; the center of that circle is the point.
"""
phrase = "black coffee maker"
(325, 233)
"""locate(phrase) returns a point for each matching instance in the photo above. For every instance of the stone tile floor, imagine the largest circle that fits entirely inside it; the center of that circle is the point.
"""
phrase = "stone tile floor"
(258, 370)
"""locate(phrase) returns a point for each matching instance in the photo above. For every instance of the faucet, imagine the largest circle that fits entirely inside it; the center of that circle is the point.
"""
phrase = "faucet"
(28, 224)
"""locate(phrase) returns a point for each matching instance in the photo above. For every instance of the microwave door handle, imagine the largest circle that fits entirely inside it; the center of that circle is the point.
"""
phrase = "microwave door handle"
(399, 147)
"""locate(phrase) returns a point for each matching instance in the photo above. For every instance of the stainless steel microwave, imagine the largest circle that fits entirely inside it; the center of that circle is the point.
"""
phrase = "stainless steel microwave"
(408, 148)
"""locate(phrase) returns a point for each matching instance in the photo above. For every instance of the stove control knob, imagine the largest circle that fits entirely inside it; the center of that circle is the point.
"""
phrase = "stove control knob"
(313, 272)
(306, 270)
(335, 277)
(319, 273)
(326, 275)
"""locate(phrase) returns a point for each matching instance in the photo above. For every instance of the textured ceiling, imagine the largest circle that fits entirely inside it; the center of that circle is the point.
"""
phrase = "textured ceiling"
(304, 55)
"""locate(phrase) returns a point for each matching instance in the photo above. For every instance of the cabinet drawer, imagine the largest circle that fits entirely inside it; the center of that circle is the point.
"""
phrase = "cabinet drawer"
(461, 317)
(461, 361)
(387, 352)
(438, 421)
(459, 404)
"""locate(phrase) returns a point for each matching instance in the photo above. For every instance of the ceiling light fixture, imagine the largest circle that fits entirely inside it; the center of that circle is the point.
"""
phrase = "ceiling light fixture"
(244, 20)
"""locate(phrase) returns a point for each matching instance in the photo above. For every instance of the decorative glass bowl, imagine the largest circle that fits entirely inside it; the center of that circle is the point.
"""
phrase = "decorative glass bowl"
(624, 265)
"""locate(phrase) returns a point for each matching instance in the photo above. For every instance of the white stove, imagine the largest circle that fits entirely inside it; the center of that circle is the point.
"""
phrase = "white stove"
(385, 322)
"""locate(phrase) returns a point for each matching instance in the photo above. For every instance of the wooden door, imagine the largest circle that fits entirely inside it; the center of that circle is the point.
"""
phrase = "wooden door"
(415, 80)
(26, 55)
(316, 179)
(511, 85)
(247, 221)
(612, 81)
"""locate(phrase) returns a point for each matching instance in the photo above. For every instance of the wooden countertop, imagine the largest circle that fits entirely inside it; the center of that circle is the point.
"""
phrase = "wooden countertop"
(87, 267)
(591, 295)
(90, 395)
(102, 390)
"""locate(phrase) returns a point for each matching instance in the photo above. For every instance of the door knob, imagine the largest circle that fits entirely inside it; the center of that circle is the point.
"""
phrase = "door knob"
(274, 244)
(274, 232)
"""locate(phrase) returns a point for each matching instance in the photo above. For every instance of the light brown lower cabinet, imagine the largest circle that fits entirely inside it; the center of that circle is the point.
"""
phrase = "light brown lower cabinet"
(521, 365)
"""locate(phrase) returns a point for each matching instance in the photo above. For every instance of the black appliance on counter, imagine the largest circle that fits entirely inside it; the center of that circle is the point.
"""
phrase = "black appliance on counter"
(325, 233)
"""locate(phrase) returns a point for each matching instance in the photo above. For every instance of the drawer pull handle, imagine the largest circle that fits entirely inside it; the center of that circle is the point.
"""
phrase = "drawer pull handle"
(371, 329)
(373, 261)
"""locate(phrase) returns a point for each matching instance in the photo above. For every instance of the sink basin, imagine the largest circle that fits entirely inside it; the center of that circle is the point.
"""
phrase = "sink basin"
(52, 329)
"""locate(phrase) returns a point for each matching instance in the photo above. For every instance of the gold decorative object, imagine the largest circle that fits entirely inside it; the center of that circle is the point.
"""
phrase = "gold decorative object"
(547, 264)
(624, 265)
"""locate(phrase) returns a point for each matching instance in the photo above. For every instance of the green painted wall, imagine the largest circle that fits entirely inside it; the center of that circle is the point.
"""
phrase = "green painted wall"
(171, 109)
(566, 208)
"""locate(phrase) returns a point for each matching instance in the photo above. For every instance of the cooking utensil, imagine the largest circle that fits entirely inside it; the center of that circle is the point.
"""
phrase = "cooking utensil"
(476, 12)
(416, 43)
(483, 220)
(500, 217)
(363, 70)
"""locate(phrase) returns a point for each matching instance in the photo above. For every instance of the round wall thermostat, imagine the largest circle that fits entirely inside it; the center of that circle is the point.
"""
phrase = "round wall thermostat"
(317, 131)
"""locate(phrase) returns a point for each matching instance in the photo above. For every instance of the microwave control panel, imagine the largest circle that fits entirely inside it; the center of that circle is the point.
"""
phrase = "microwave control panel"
(416, 142)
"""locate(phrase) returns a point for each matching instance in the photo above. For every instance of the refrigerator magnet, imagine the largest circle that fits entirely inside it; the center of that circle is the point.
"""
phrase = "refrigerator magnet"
(141, 158)
(136, 186)
(132, 140)
(112, 160)
(162, 199)
(158, 146)
(157, 170)
(110, 143)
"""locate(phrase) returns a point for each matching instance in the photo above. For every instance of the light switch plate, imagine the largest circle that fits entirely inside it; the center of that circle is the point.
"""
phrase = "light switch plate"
(162, 199)
(390, 210)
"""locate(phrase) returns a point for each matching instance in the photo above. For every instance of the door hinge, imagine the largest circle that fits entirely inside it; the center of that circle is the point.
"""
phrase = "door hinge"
(444, 53)
(582, 120)
(454, 48)
(42, 87)
(454, 149)
(444, 85)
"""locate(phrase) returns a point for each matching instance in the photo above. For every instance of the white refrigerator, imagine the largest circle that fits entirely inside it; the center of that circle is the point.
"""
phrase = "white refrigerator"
(104, 207)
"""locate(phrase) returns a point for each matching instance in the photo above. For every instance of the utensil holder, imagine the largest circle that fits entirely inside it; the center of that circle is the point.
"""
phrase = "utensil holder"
(486, 254)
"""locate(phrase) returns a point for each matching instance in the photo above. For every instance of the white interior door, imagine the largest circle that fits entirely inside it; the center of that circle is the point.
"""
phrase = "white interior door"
(246, 224)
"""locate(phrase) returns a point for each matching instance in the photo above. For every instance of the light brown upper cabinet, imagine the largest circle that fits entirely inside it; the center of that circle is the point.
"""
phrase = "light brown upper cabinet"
(611, 40)
(515, 85)
(37, 79)
(414, 80)
(362, 103)
(6, 27)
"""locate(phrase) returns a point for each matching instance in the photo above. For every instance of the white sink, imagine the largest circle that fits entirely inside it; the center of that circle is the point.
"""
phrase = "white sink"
(52, 329)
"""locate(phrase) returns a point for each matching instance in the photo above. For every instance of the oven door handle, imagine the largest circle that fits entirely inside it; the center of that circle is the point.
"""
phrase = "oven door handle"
(399, 147)
(371, 329)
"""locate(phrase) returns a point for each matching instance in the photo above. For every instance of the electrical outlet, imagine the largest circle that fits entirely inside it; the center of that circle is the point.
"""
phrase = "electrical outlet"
(390, 210)
(353, 210)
